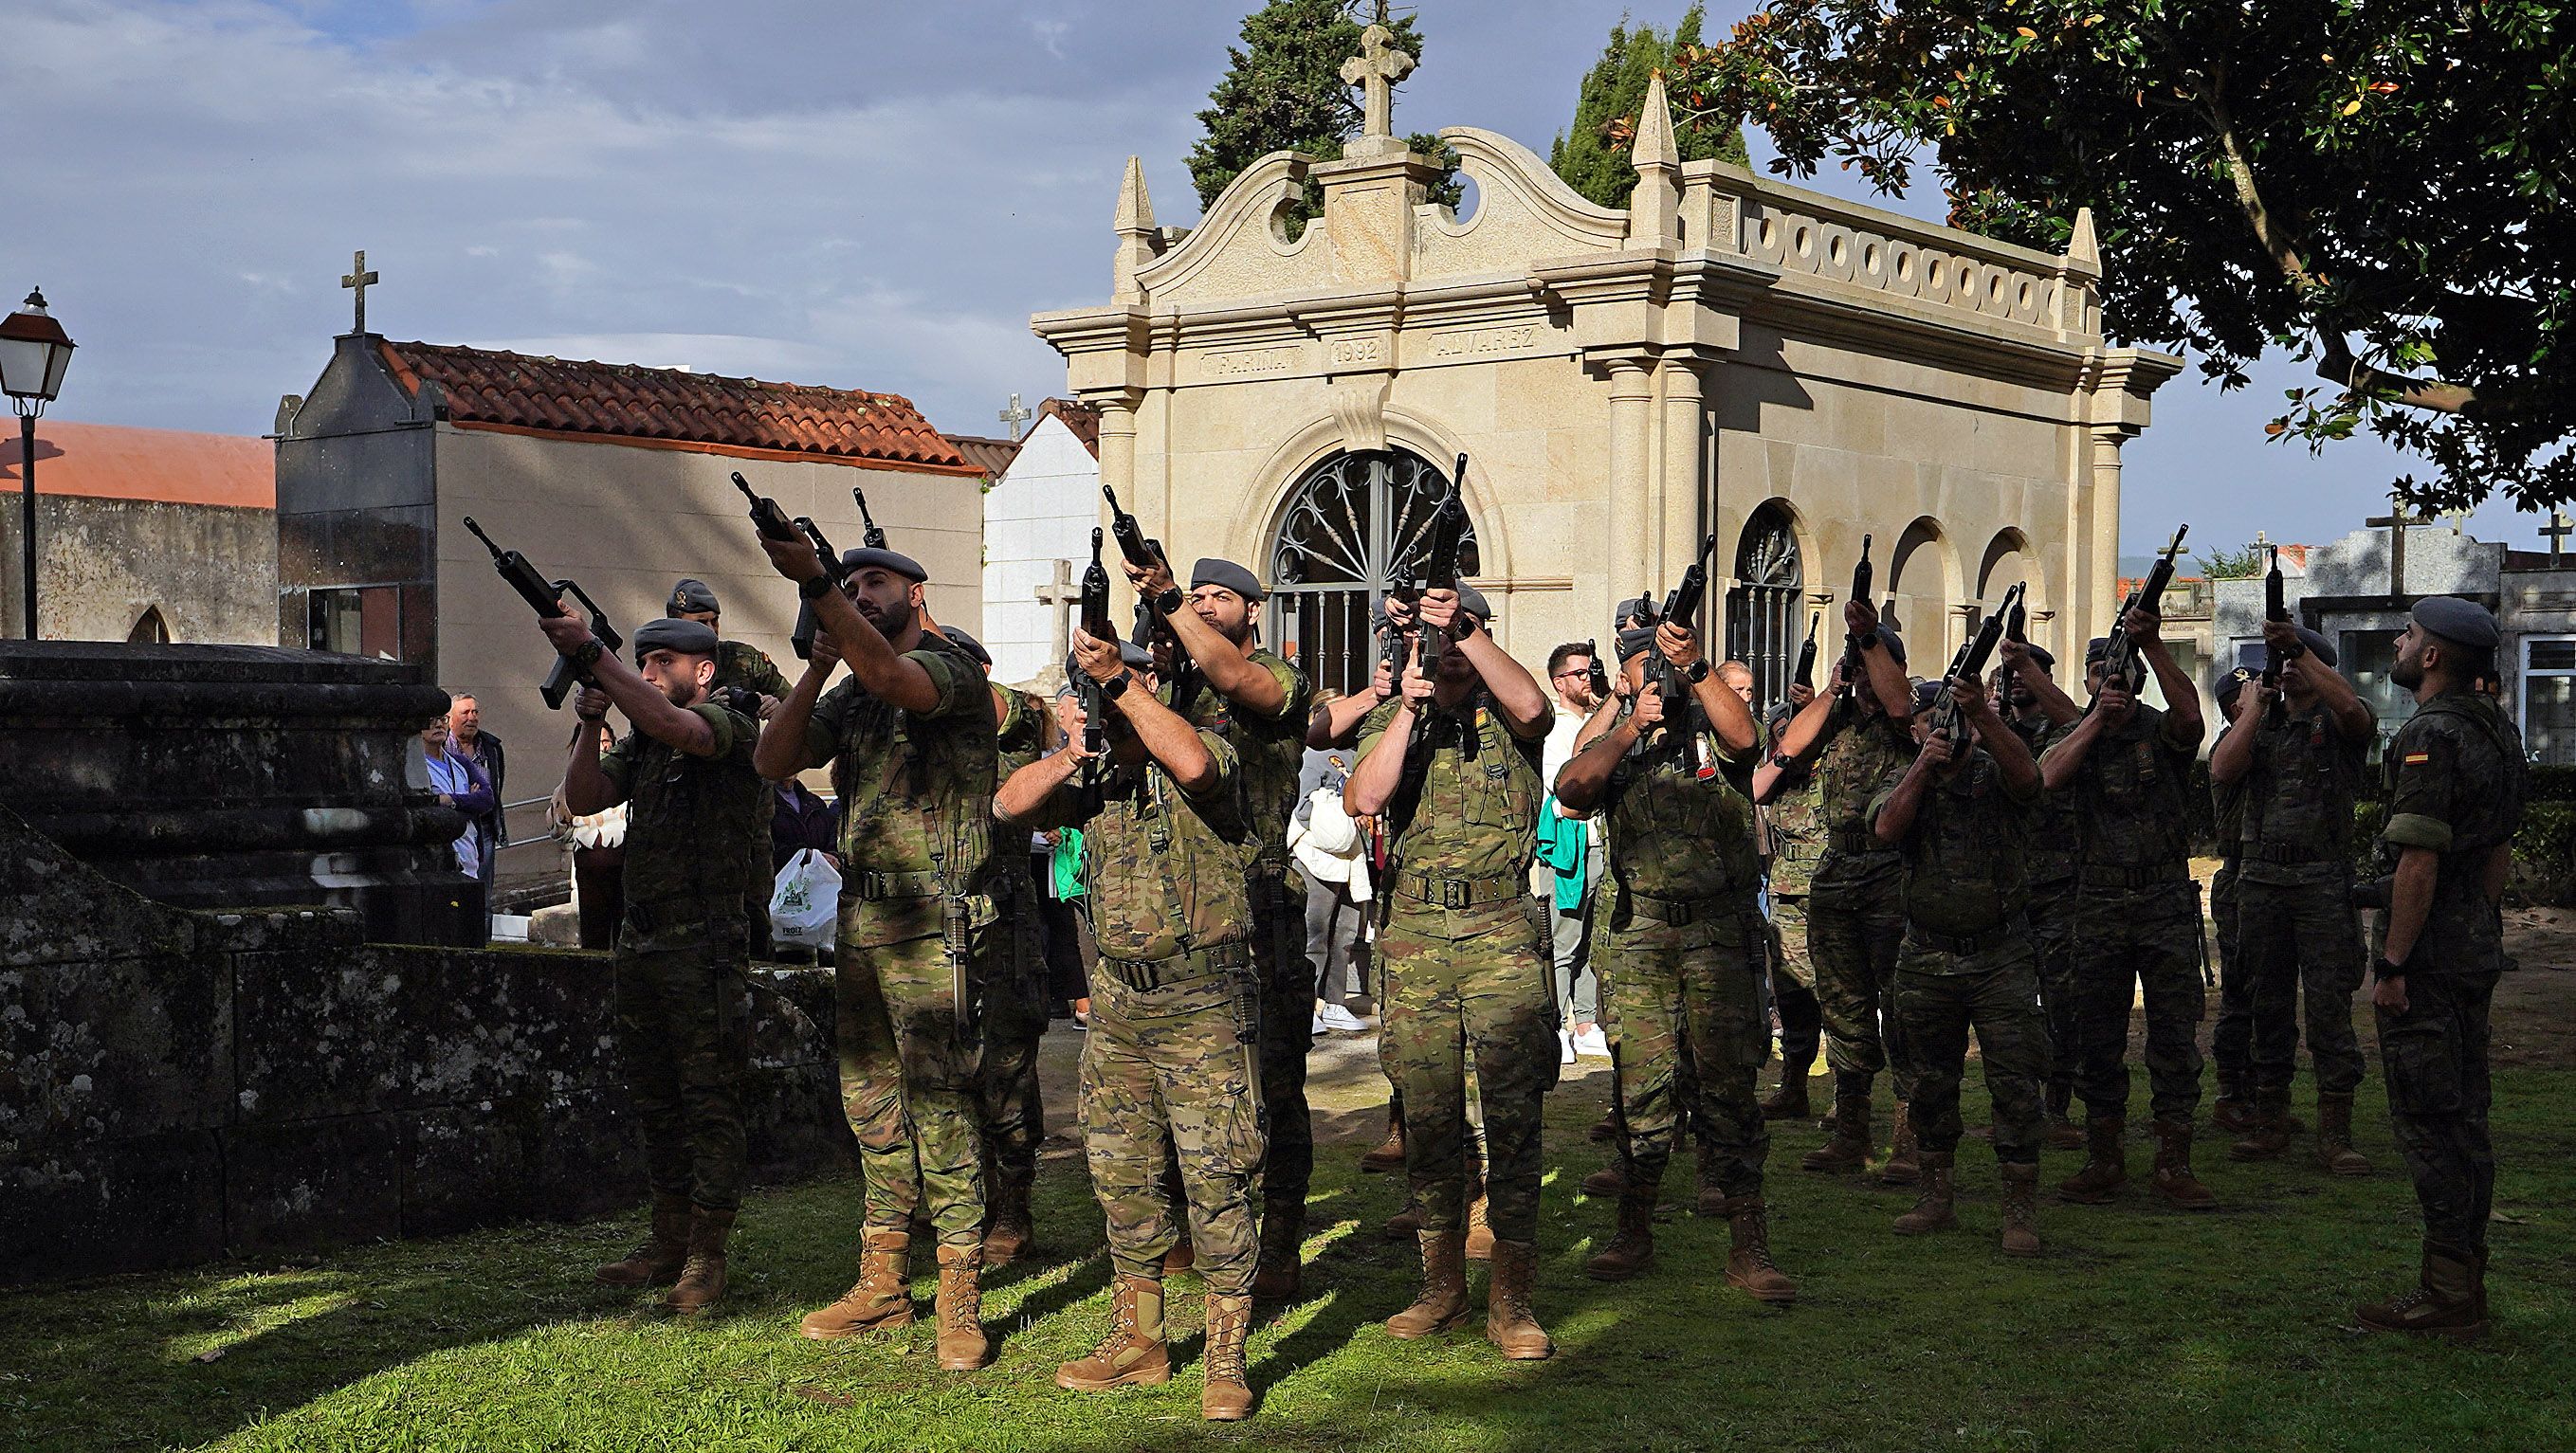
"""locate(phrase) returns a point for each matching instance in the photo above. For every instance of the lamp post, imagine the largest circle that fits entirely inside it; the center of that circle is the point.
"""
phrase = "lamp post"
(34, 352)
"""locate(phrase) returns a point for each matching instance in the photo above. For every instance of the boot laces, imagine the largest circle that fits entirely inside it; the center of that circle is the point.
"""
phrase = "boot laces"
(1225, 1353)
(1755, 1234)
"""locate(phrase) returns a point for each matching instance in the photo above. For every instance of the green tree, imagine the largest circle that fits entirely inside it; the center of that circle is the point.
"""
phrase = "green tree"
(1592, 156)
(1283, 91)
(2225, 564)
(2381, 189)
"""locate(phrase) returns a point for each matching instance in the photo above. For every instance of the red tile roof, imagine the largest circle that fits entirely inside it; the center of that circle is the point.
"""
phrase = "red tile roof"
(670, 407)
(989, 455)
(1082, 419)
(109, 461)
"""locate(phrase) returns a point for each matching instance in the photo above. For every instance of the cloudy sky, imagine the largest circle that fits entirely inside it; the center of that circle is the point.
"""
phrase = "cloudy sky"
(845, 192)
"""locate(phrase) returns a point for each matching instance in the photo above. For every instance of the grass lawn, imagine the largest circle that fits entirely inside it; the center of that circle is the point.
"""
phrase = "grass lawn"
(2139, 1328)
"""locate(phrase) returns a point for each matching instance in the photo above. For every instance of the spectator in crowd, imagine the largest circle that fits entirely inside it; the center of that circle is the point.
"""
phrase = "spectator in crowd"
(1332, 854)
(460, 784)
(598, 843)
(802, 820)
(1064, 937)
(466, 739)
(1571, 848)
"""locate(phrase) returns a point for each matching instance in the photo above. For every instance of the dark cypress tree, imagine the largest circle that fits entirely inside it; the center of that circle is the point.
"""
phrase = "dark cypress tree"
(1592, 156)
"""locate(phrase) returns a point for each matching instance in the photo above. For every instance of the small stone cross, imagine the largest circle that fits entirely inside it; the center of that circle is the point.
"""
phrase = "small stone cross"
(2396, 521)
(1014, 416)
(1375, 70)
(357, 280)
(2556, 533)
(1060, 597)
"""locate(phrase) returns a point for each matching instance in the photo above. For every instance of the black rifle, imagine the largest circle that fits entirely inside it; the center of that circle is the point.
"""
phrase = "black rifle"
(1438, 567)
(1682, 609)
(1853, 670)
(1094, 615)
(803, 639)
(1947, 720)
(1806, 673)
(2016, 621)
(2121, 660)
(1144, 554)
(546, 599)
(871, 534)
(2276, 608)
(773, 524)
(1599, 677)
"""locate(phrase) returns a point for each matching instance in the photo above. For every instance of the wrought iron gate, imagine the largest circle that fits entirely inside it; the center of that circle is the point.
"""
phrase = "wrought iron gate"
(1354, 525)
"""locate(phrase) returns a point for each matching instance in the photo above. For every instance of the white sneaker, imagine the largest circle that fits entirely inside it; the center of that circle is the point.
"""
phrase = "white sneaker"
(1334, 1016)
(1592, 1042)
(1317, 1027)
(1565, 1046)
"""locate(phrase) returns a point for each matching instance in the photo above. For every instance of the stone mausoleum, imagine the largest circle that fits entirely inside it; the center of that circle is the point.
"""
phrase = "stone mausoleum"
(1727, 356)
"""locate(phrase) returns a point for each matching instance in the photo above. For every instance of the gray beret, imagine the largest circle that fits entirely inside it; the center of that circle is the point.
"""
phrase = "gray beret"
(2229, 683)
(1472, 601)
(864, 558)
(691, 595)
(968, 644)
(1894, 643)
(1641, 607)
(2095, 649)
(1927, 695)
(1225, 575)
(2046, 658)
(2461, 622)
(2316, 643)
(689, 638)
(1633, 640)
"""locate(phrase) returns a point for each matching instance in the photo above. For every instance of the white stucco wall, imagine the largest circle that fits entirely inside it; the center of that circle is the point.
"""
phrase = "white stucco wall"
(1040, 511)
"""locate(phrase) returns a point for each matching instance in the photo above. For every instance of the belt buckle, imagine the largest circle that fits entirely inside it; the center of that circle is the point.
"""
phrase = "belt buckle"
(1454, 895)
(1679, 916)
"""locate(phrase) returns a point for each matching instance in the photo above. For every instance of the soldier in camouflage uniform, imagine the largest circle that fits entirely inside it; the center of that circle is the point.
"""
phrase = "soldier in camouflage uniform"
(1171, 1063)
(1452, 765)
(740, 666)
(911, 742)
(2041, 713)
(2137, 914)
(1795, 820)
(1682, 946)
(1260, 703)
(683, 1017)
(2300, 765)
(1855, 742)
(2456, 786)
(2231, 1039)
(1961, 815)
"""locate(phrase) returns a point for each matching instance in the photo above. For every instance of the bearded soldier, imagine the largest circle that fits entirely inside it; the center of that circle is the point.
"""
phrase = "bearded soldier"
(1260, 703)
(911, 740)
(1682, 946)
(1453, 765)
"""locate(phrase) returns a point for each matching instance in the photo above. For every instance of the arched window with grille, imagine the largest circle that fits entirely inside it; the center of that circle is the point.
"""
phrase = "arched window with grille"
(1356, 524)
(1765, 622)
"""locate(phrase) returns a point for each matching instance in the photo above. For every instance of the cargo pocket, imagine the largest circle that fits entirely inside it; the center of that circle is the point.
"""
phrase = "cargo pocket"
(2423, 1072)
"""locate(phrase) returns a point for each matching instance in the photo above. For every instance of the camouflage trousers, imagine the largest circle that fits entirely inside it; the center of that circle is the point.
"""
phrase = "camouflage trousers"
(2138, 943)
(2300, 941)
(2435, 1057)
(909, 1086)
(1008, 1106)
(1174, 1072)
(684, 1045)
(1687, 1036)
(1793, 980)
(2052, 945)
(1941, 996)
(2231, 1039)
(1466, 986)
(1287, 980)
(1852, 936)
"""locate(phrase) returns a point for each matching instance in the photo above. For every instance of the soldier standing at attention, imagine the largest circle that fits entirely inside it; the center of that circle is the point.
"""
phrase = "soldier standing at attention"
(1260, 704)
(1855, 907)
(1171, 1065)
(743, 666)
(2231, 1039)
(1682, 946)
(2456, 786)
(1960, 815)
(1452, 765)
(910, 738)
(683, 1012)
(2137, 914)
(2040, 714)
(2300, 769)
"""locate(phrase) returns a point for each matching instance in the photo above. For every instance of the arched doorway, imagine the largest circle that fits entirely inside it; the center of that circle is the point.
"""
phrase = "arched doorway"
(150, 629)
(1765, 622)
(1354, 525)
(1921, 585)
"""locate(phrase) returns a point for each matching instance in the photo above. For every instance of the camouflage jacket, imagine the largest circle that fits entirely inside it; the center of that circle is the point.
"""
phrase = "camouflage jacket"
(1474, 813)
(1796, 819)
(1162, 871)
(2227, 811)
(689, 820)
(1678, 836)
(2053, 831)
(1862, 756)
(2457, 781)
(2132, 799)
(1025, 727)
(2297, 801)
(916, 793)
(1272, 749)
(1967, 865)
(740, 663)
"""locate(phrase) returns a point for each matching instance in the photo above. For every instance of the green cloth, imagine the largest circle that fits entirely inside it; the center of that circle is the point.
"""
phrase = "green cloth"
(1562, 843)
(1066, 866)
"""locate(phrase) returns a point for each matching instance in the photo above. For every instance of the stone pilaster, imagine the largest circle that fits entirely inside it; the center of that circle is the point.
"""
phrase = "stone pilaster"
(1630, 558)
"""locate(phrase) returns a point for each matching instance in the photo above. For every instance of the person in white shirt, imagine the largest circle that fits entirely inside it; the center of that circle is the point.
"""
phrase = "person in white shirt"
(1576, 695)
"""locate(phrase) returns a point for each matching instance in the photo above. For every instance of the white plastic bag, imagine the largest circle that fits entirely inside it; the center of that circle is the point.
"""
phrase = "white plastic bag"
(805, 906)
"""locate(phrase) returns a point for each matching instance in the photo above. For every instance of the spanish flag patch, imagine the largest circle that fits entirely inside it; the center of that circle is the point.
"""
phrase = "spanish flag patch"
(2418, 759)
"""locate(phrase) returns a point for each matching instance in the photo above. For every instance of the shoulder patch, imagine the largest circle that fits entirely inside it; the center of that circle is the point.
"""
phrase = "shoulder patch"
(2418, 758)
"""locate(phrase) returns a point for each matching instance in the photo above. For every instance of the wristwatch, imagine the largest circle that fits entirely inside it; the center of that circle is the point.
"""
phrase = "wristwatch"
(1869, 642)
(1116, 686)
(1170, 600)
(2386, 968)
(587, 654)
(814, 589)
(1785, 764)
(1698, 671)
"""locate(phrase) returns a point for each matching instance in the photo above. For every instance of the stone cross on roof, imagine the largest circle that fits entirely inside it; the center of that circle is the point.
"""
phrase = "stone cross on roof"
(2396, 520)
(2556, 533)
(1375, 70)
(1014, 416)
(357, 279)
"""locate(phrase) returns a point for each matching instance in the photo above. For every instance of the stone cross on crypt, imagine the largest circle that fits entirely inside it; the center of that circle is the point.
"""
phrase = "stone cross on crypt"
(357, 280)
(1375, 70)
(2556, 533)
(1014, 416)
(1059, 596)
(2396, 521)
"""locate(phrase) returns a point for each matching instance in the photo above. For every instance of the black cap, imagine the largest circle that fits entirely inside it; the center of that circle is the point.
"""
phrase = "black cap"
(2046, 658)
(1894, 643)
(1927, 694)
(689, 638)
(690, 597)
(865, 558)
(2461, 622)
(1225, 575)
(2095, 649)
(2228, 684)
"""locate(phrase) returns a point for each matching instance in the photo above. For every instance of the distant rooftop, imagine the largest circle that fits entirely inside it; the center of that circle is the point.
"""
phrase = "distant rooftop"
(115, 461)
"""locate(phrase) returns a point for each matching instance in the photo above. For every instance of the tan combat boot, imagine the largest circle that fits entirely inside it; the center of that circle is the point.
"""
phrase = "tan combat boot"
(1605, 1130)
(1903, 1157)
(1182, 1257)
(1748, 1264)
(658, 1257)
(1790, 1100)
(1606, 1182)
(1406, 1223)
(1009, 1232)
(1133, 1353)
(1226, 1396)
(962, 1344)
(1480, 1236)
(1283, 1243)
(1387, 1154)
(2448, 1300)
(879, 1301)
(2173, 1179)
(1509, 1321)
(1934, 1208)
(2267, 1132)
(2021, 1209)
(1442, 1303)
(2334, 1152)
(702, 1278)
(2234, 1112)
(1848, 1149)
(1632, 1250)
(2106, 1164)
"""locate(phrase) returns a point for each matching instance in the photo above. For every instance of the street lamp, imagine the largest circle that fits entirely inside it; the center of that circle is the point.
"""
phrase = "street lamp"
(34, 351)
